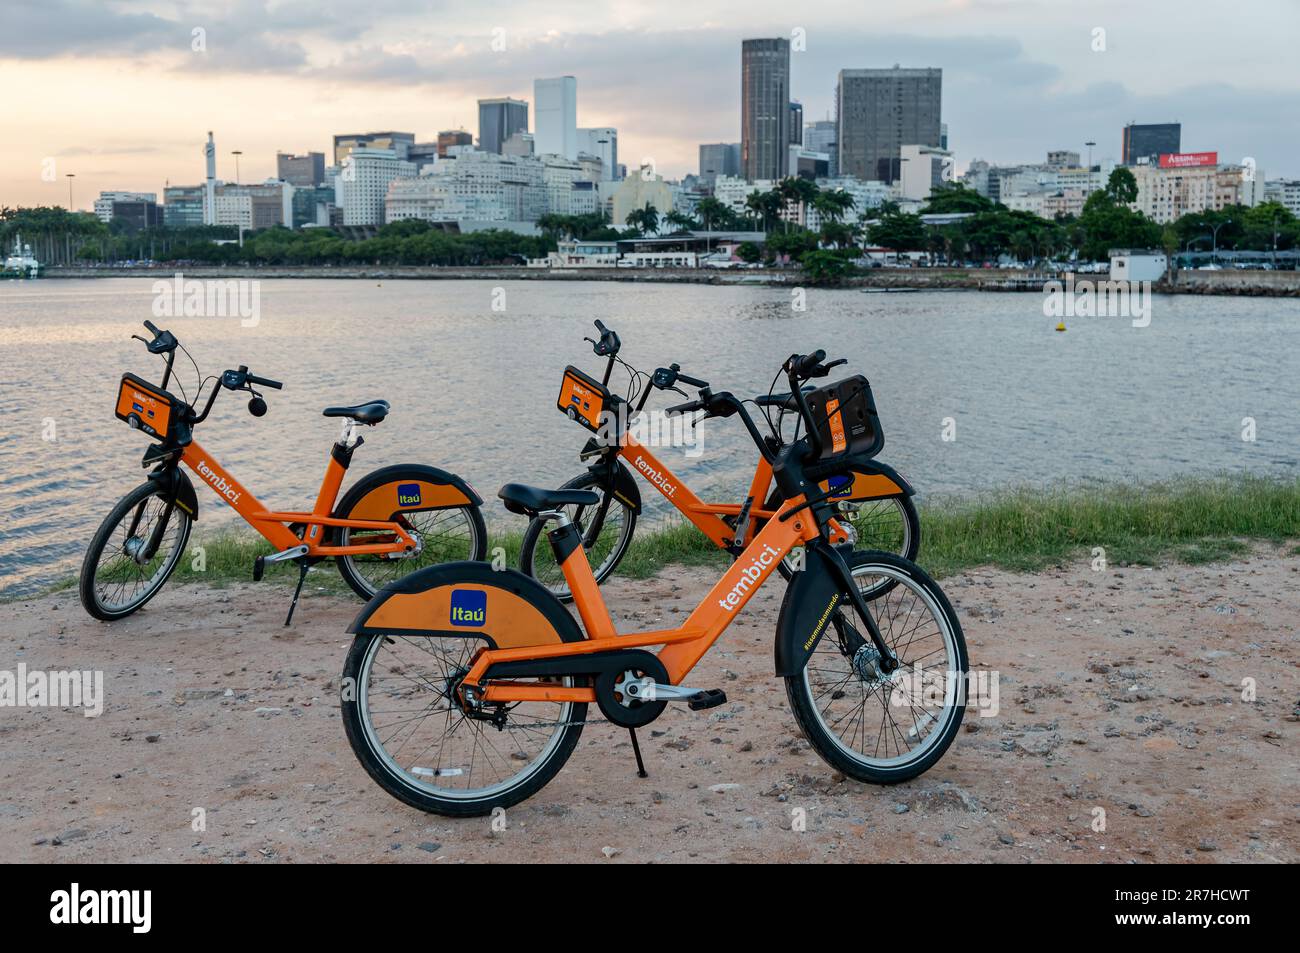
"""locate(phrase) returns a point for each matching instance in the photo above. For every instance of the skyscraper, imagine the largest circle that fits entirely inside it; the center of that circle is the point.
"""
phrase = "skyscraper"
(555, 106)
(498, 120)
(796, 124)
(1149, 141)
(399, 142)
(764, 108)
(603, 143)
(880, 110)
(821, 136)
(305, 170)
(453, 137)
(719, 158)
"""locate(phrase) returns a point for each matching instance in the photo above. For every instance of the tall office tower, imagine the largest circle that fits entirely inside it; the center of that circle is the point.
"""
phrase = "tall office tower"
(820, 136)
(498, 120)
(399, 142)
(603, 143)
(764, 108)
(796, 124)
(719, 159)
(306, 170)
(555, 116)
(453, 137)
(1148, 141)
(881, 110)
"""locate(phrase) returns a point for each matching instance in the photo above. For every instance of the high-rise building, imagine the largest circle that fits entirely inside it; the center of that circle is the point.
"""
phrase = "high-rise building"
(183, 206)
(453, 137)
(250, 207)
(764, 108)
(796, 124)
(821, 136)
(398, 142)
(104, 204)
(1285, 192)
(601, 142)
(305, 171)
(719, 158)
(498, 120)
(555, 116)
(472, 186)
(363, 183)
(881, 110)
(1147, 142)
(924, 168)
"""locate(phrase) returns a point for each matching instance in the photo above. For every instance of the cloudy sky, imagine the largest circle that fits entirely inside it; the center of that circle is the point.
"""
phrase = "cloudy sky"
(117, 93)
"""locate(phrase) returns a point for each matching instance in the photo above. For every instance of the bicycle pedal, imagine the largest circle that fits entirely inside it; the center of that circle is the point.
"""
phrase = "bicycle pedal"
(259, 568)
(708, 698)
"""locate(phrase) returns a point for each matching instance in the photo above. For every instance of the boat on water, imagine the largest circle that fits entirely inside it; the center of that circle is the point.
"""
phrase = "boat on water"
(21, 263)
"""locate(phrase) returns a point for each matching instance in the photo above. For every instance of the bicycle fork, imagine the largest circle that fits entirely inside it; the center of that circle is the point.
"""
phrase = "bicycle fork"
(843, 576)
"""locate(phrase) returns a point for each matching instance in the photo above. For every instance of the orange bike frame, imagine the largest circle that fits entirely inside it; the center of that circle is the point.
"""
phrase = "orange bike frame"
(272, 524)
(707, 517)
(683, 647)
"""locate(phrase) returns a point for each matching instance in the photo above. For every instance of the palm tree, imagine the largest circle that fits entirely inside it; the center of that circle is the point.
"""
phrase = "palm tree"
(644, 220)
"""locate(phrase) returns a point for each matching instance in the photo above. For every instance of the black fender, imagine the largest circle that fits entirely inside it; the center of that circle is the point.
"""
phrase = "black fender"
(388, 474)
(809, 605)
(617, 474)
(414, 603)
(174, 484)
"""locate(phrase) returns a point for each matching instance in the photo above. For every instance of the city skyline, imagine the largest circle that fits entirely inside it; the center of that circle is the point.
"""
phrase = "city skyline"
(124, 103)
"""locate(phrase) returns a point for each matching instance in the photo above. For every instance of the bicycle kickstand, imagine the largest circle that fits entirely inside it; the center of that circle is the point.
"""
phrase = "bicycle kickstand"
(636, 750)
(302, 576)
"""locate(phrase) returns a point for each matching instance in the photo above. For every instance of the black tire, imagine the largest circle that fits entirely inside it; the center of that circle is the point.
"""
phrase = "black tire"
(448, 535)
(811, 703)
(97, 582)
(374, 757)
(537, 560)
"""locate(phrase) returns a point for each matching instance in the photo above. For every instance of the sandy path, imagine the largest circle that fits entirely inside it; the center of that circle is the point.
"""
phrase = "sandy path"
(1119, 690)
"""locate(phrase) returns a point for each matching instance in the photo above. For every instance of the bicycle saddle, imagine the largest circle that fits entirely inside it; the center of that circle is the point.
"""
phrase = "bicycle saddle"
(529, 500)
(368, 413)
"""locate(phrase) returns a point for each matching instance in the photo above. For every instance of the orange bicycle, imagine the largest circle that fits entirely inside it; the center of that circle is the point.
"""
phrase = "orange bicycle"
(390, 522)
(466, 689)
(874, 501)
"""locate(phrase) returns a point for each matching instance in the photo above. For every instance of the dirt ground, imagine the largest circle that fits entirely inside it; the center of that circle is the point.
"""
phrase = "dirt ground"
(1119, 690)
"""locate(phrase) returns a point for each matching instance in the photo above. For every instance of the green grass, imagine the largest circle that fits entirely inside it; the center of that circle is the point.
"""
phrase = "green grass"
(1191, 521)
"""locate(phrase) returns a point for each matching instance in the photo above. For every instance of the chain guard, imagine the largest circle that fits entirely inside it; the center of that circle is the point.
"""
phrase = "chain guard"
(634, 713)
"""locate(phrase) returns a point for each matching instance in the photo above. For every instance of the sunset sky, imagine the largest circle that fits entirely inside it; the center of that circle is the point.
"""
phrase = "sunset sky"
(113, 91)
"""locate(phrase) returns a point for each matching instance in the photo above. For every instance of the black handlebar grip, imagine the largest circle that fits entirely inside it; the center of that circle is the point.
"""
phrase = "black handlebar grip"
(809, 362)
(265, 382)
(601, 327)
(688, 407)
(149, 325)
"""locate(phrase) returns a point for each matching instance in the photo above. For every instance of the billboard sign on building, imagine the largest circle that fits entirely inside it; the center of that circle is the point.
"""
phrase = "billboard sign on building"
(1188, 160)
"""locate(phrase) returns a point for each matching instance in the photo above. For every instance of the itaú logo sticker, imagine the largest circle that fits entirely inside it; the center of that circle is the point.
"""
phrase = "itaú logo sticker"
(750, 577)
(468, 607)
(408, 494)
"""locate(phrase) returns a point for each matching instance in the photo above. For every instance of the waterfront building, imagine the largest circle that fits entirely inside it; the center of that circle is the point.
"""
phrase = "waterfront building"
(1048, 204)
(764, 108)
(1169, 192)
(398, 142)
(249, 207)
(471, 186)
(453, 137)
(363, 183)
(638, 190)
(1285, 192)
(304, 171)
(923, 169)
(602, 142)
(880, 111)
(183, 206)
(1147, 142)
(104, 204)
(498, 120)
(732, 191)
(555, 104)
(822, 136)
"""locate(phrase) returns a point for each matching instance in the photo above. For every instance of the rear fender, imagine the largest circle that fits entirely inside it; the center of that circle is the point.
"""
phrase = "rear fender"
(405, 488)
(868, 480)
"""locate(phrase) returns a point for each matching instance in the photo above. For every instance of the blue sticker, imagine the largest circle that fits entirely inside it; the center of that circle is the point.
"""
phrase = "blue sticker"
(408, 494)
(468, 607)
(840, 486)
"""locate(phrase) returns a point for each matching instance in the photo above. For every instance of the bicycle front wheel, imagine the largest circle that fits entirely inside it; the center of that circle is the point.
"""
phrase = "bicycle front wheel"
(119, 573)
(875, 726)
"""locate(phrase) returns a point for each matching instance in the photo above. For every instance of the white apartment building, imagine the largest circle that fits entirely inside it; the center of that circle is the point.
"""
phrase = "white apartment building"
(867, 196)
(471, 186)
(1165, 195)
(250, 207)
(1048, 205)
(732, 191)
(923, 168)
(555, 116)
(104, 204)
(1285, 192)
(601, 142)
(363, 183)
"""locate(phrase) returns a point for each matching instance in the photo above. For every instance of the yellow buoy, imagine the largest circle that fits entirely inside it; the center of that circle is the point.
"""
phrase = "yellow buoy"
(1060, 326)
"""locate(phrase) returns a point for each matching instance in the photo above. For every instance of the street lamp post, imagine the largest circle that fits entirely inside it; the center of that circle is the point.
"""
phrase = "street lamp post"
(236, 153)
(70, 176)
(1214, 237)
